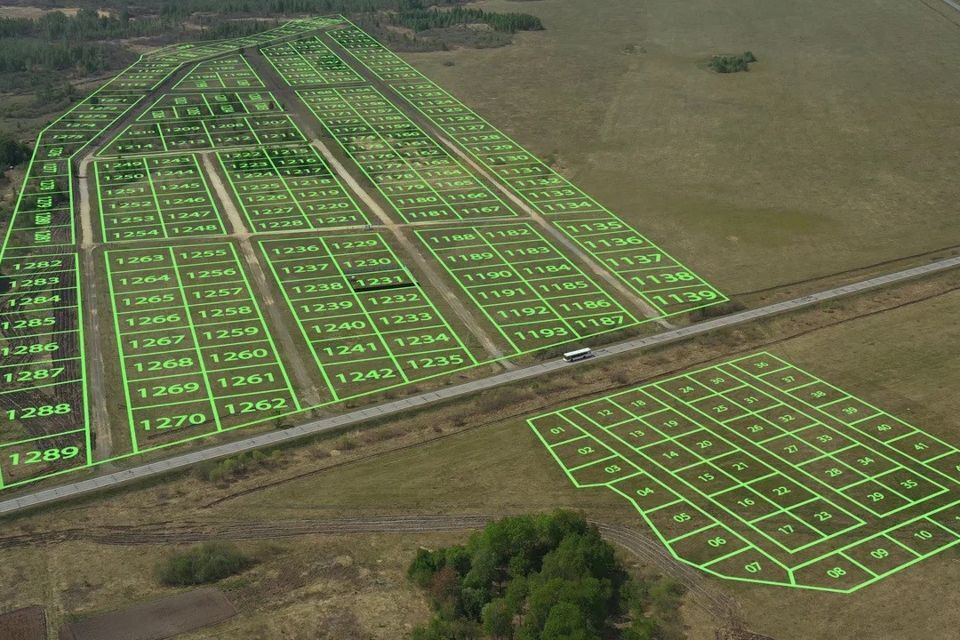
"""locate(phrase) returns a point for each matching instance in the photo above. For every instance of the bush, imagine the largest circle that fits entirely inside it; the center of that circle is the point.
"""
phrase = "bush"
(732, 64)
(209, 562)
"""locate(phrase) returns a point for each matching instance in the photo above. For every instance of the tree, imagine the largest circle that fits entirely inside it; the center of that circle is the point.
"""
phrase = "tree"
(12, 151)
(498, 619)
(567, 622)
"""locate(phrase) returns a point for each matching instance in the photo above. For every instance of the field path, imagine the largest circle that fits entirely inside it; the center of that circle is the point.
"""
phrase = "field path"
(639, 545)
(99, 415)
(307, 123)
(292, 360)
(646, 310)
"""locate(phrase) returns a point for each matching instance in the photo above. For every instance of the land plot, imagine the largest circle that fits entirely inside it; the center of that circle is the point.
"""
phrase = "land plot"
(230, 72)
(196, 354)
(284, 188)
(42, 396)
(666, 285)
(153, 198)
(832, 502)
(142, 76)
(529, 290)
(308, 62)
(369, 324)
(416, 175)
(43, 218)
(203, 134)
(207, 106)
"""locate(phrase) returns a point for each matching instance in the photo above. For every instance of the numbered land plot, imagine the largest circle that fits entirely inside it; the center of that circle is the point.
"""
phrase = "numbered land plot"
(416, 175)
(42, 405)
(284, 188)
(666, 284)
(834, 506)
(533, 294)
(867, 425)
(196, 355)
(141, 77)
(231, 72)
(368, 322)
(658, 277)
(386, 65)
(203, 134)
(210, 106)
(155, 198)
(43, 217)
(682, 526)
(308, 62)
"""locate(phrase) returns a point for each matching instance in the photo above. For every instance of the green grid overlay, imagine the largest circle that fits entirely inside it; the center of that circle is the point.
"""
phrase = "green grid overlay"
(658, 277)
(755, 470)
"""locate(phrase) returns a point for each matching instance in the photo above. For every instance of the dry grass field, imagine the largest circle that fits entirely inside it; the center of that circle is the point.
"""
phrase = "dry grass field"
(837, 150)
(355, 583)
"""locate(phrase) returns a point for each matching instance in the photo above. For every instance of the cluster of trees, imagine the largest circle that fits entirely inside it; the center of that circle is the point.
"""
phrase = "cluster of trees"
(12, 151)
(732, 64)
(421, 19)
(209, 562)
(86, 24)
(542, 577)
(28, 54)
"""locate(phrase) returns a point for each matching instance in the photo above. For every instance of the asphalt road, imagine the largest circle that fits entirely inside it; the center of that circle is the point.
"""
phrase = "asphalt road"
(183, 461)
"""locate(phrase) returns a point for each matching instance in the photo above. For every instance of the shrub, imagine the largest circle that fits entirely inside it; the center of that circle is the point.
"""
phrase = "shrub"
(209, 562)
(732, 64)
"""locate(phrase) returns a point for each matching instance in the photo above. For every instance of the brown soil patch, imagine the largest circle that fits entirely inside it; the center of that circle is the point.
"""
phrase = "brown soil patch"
(28, 623)
(156, 619)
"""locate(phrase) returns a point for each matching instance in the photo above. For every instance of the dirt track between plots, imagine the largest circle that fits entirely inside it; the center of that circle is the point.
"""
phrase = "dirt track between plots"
(642, 547)
(611, 280)
(306, 122)
(259, 281)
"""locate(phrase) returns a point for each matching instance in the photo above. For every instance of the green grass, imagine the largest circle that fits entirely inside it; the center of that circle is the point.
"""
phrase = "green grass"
(836, 152)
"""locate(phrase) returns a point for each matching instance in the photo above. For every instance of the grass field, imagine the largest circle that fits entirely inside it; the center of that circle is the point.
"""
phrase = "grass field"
(835, 151)
(504, 468)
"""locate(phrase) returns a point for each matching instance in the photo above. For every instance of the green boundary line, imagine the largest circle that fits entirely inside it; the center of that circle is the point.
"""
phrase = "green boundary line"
(870, 575)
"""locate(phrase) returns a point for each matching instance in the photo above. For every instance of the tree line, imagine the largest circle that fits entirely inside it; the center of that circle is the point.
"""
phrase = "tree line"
(421, 19)
(541, 577)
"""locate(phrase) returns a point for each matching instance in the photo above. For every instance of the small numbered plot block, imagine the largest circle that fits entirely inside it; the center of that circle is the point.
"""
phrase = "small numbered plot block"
(602, 472)
(554, 429)
(604, 413)
(230, 72)
(749, 565)
(288, 188)
(531, 293)
(833, 573)
(367, 321)
(680, 520)
(881, 555)
(196, 355)
(645, 493)
(580, 452)
(825, 490)
(709, 545)
(41, 457)
(155, 198)
(925, 537)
